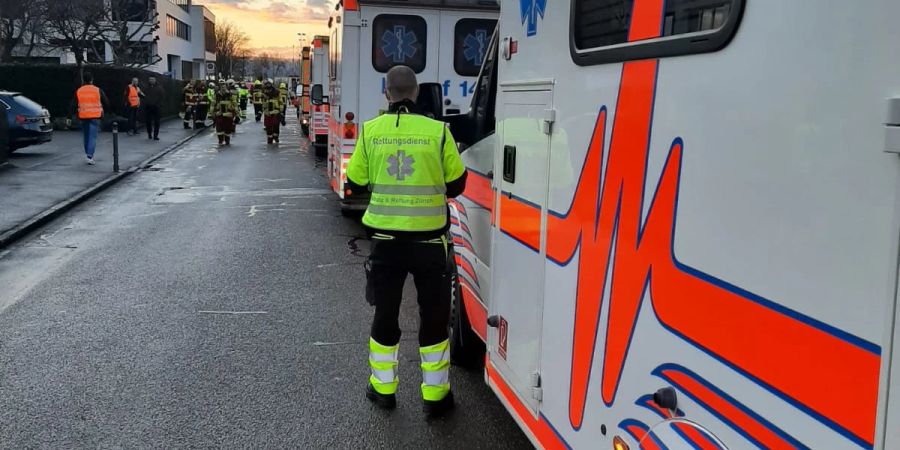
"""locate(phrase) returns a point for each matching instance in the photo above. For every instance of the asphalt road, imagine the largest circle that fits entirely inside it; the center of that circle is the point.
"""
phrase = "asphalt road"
(215, 300)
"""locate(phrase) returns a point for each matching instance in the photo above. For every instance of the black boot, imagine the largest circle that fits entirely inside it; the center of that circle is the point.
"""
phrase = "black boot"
(227, 140)
(221, 139)
(434, 409)
(383, 401)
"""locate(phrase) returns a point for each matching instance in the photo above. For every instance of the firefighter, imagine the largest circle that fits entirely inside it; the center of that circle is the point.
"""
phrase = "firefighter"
(211, 89)
(244, 96)
(226, 114)
(202, 105)
(411, 165)
(258, 98)
(285, 99)
(189, 101)
(272, 108)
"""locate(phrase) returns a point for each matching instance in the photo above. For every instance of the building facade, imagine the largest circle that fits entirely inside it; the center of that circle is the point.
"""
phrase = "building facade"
(182, 47)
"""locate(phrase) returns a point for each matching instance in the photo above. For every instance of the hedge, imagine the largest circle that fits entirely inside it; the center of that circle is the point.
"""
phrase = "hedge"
(54, 85)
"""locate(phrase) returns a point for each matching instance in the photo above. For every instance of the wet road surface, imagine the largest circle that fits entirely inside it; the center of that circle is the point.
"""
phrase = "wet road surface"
(211, 301)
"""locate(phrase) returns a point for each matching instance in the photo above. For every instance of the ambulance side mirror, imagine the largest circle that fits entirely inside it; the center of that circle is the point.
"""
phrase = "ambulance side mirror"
(317, 95)
(431, 100)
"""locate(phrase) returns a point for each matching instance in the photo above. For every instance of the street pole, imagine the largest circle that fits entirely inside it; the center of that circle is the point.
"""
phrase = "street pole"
(115, 131)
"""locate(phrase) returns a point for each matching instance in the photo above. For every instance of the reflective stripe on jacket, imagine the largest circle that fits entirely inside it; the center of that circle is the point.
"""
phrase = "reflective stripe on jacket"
(406, 160)
(89, 103)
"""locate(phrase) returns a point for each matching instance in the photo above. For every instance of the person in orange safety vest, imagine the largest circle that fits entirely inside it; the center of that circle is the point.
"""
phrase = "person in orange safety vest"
(133, 94)
(88, 104)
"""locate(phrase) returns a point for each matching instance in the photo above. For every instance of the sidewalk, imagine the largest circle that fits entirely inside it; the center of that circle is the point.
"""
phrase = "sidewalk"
(37, 178)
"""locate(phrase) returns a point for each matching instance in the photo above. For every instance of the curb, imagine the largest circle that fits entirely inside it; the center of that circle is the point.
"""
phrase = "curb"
(58, 209)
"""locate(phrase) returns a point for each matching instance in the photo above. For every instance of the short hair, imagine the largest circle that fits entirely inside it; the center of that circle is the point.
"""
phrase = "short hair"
(400, 84)
(88, 77)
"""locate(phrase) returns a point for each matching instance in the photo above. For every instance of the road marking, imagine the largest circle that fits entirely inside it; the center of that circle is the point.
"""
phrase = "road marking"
(328, 344)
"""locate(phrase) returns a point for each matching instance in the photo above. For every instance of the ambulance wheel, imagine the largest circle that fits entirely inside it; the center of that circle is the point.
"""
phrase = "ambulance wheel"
(466, 348)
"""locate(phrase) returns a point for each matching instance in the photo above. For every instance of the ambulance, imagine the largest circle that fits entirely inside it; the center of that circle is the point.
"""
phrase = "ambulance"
(319, 69)
(305, 79)
(443, 41)
(682, 223)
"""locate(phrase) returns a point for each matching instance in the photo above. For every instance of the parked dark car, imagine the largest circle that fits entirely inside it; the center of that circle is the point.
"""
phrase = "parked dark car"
(29, 122)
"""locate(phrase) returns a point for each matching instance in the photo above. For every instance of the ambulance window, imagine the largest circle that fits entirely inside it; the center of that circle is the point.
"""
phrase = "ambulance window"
(471, 40)
(600, 29)
(399, 40)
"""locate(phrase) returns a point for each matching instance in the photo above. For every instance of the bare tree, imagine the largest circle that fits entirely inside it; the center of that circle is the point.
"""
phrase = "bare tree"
(262, 64)
(72, 25)
(19, 23)
(231, 42)
(128, 27)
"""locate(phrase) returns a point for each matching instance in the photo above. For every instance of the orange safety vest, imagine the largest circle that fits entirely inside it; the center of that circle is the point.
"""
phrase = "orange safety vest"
(134, 100)
(89, 105)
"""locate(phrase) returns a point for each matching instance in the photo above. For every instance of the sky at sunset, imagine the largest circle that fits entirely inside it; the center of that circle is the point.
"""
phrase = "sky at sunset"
(273, 24)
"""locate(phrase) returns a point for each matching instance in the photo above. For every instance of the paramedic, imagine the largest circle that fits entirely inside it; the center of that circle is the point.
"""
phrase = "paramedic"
(411, 165)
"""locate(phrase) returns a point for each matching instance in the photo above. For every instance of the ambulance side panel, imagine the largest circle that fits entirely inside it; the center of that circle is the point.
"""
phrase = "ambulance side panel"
(751, 236)
(345, 91)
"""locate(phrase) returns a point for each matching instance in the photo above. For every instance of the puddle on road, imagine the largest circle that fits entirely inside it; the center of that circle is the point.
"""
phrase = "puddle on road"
(353, 245)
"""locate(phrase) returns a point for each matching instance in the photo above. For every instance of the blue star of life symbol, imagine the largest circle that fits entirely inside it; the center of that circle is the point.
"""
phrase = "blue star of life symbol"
(399, 44)
(531, 10)
(400, 165)
(474, 46)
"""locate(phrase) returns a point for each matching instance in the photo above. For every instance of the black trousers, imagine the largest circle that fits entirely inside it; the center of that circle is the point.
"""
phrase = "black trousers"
(200, 115)
(386, 271)
(132, 119)
(152, 120)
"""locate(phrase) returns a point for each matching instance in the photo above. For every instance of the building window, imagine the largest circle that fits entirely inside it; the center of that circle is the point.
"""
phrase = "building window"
(209, 35)
(600, 29)
(96, 52)
(177, 28)
(470, 44)
(399, 40)
(183, 4)
(139, 52)
(131, 10)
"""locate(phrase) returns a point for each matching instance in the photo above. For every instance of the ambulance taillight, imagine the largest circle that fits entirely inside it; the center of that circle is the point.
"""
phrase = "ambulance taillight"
(349, 126)
(619, 444)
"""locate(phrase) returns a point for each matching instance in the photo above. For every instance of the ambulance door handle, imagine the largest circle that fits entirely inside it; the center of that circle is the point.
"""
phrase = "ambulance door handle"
(509, 163)
(892, 126)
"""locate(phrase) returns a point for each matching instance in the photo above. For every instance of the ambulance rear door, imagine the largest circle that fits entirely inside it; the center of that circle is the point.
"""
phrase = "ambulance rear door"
(391, 37)
(465, 37)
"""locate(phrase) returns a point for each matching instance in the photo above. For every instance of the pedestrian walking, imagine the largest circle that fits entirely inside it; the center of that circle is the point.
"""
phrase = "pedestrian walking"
(154, 96)
(244, 96)
(133, 95)
(411, 165)
(189, 105)
(259, 97)
(88, 104)
(202, 105)
(225, 114)
(285, 99)
(272, 109)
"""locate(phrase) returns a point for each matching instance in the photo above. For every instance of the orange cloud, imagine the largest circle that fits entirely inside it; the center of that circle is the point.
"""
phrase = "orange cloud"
(275, 24)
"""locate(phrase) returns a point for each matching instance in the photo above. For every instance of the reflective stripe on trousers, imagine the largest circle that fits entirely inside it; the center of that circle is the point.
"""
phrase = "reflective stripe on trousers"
(435, 371)
(383, 362)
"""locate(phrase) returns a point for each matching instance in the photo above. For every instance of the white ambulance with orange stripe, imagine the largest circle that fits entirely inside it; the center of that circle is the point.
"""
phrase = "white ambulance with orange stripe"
(444, 41)
(682, 223)
(320, 72)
